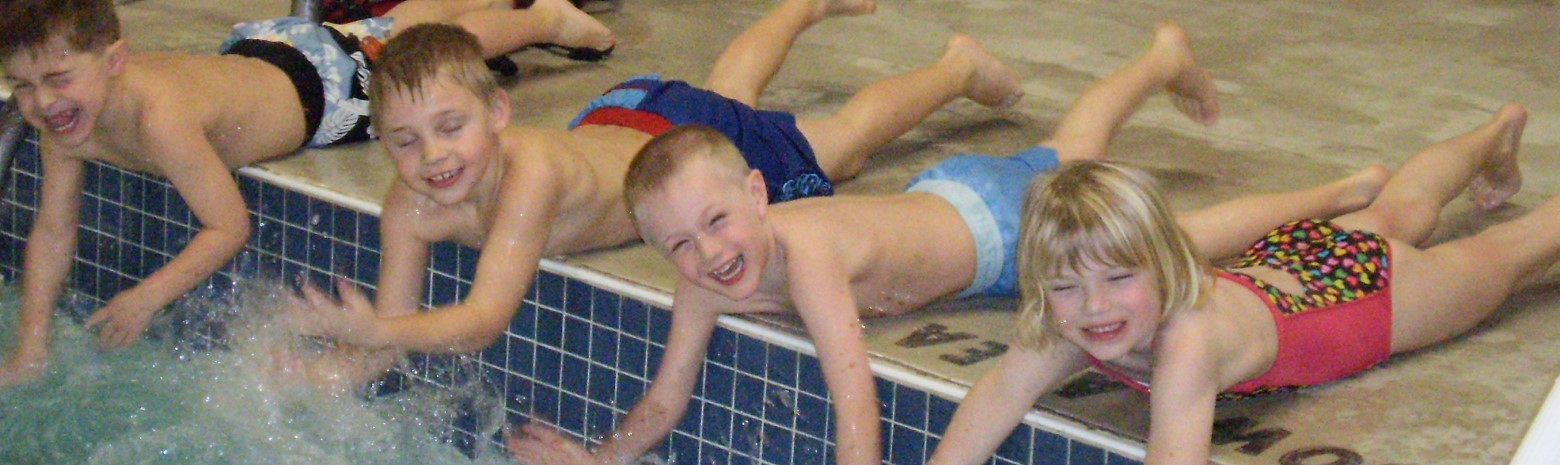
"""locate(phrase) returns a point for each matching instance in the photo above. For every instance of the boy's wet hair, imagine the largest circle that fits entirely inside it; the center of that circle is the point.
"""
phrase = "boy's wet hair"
(86, 25)
(668, 153)
(1108, 215)
(421, 55)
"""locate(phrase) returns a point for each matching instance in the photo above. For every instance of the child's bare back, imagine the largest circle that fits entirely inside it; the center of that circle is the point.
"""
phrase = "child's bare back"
(575, 174)
(899, 252)
(229, 101)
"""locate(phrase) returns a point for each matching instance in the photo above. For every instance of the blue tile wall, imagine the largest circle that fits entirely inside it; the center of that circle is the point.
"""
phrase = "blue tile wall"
(576, 354)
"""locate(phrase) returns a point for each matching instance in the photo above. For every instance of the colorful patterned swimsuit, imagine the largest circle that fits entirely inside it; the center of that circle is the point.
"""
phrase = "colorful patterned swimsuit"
(1340, 325)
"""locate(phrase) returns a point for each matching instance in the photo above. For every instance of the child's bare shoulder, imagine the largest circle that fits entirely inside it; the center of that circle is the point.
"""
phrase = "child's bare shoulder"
(831, 222)
(409, 211)
(204, 75)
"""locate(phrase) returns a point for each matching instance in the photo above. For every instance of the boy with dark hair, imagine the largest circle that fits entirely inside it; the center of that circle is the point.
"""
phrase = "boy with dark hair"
(188, 117)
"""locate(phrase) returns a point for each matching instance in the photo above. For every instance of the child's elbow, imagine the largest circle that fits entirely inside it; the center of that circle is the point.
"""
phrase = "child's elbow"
(233, 238)
(487, 336)
(478, 336)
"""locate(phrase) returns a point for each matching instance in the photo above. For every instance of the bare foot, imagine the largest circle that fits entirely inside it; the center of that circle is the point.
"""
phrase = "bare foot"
(1358, 190)
(1500, 177)
(577, 29)
(1192, 90)
(992, 84)
(831, 8)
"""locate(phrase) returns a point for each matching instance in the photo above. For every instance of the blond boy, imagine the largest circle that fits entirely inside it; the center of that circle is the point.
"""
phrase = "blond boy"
(190, 118)
(834, 261)
(522, 193)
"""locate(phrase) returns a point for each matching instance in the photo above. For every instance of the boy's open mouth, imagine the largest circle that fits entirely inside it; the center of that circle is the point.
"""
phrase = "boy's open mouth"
(62, 122)
(445, 179)
(729, 274)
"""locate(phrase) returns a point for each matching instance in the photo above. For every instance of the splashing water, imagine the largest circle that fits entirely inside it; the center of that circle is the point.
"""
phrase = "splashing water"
(162, 403)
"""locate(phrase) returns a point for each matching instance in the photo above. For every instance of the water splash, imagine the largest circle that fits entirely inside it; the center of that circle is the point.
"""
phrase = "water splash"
(161, 402)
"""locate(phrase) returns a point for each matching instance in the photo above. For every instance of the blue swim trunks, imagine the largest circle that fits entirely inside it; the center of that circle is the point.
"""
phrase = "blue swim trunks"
(331, 78)
(989, 193)
(769, 140)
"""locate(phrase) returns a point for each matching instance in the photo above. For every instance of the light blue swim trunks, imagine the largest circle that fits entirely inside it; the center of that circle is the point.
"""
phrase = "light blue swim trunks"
(340, 55)
(988, 192)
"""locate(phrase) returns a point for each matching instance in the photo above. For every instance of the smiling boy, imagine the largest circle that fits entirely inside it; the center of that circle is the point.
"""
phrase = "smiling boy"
(189, 118)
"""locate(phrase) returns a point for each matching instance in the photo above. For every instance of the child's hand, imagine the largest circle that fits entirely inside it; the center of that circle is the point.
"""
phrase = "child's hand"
(540, 445)
(351, 320)
(121, 321)
(25, 364)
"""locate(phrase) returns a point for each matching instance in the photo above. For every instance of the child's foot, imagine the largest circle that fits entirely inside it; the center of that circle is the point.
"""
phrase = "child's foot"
(577, 29)
(824, 9)
(1358, 190)
(993, 84)
(1192, 90)
(1500, 177)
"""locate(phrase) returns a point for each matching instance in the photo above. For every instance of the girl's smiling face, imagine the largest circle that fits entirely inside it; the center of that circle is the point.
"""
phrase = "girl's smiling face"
(1106, 310)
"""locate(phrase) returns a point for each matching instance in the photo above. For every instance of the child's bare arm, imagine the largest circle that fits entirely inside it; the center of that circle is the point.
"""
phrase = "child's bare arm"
(178, 147)
(820, 288)
(403, 264)
(1186, 384)
(506, 266)
(402, 269)
(50, 246)
(651, 419)
(1001, 398)
(511, 253)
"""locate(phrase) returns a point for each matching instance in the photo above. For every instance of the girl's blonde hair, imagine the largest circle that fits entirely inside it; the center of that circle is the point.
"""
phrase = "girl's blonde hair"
(1107, 214)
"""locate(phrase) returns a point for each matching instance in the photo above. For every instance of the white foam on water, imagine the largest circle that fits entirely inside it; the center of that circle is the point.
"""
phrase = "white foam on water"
(163, 403)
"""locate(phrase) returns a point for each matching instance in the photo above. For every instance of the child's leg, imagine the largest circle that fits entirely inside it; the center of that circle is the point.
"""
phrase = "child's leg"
(889, 108)
(745, 66)
(1446, 290)
(1225, 230)
(413, 12)
(1411, 203)
(503, 30)
(1096, 115)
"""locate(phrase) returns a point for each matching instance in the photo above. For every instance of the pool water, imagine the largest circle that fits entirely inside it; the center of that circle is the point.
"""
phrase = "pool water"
(177, 403)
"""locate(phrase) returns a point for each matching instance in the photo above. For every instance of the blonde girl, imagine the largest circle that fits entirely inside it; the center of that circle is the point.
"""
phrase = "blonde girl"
(1109, 280)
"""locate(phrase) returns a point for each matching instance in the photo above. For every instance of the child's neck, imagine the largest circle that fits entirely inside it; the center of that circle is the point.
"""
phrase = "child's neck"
(485, 194)
(119, 107)
(775, 280)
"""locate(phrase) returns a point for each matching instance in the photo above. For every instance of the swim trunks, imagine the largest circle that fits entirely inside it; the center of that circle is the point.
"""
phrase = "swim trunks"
(769, 140)
(1341, 324)
(339, 55)
(988, 192)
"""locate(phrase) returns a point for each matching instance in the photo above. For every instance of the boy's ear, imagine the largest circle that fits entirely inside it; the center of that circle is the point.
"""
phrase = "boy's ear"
(116, 53)
(757, 189)
(501, 107)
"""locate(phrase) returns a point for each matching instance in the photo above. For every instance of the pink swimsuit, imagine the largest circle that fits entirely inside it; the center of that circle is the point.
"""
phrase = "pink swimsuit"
(1340, 325)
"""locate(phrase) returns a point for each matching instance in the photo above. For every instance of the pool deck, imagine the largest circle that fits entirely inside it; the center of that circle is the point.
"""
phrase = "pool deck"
(1309, 91)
